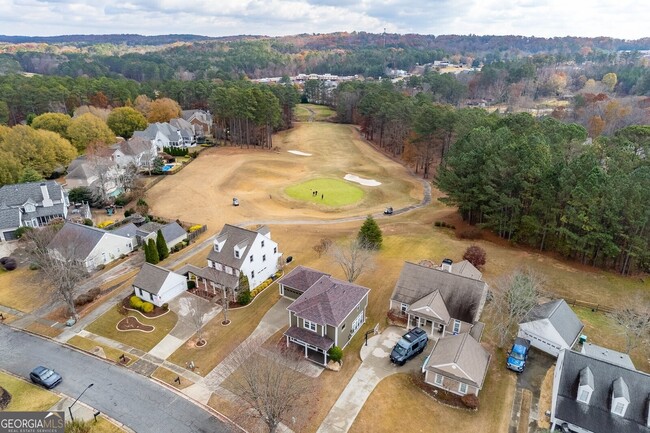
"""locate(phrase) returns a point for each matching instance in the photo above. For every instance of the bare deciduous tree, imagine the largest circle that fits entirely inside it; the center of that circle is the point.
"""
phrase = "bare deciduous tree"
(514, 296)
(633, 320)
(271, 382)
(199, 316)
(225, 303)
(354, 258)
(60, 267)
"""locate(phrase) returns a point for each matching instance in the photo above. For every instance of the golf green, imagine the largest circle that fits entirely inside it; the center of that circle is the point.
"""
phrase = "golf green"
(330, 192)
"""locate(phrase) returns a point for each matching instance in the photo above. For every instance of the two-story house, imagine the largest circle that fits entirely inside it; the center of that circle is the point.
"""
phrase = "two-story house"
(137, 151)
(186, 130)
(161, 135)
(327, 312)
(100, 173)
(599, 391)
(32, 204)
(202, 120)
(236, 250)
(446, 300)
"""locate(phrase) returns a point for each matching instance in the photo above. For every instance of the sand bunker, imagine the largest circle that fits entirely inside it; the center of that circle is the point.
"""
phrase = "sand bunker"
(362, 181)
(297, 152)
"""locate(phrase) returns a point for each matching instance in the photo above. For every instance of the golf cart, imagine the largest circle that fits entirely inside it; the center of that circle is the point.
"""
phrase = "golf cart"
(388, 211)
(235, 201)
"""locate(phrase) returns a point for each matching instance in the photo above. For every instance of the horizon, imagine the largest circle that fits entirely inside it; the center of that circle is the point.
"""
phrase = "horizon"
(624, 19)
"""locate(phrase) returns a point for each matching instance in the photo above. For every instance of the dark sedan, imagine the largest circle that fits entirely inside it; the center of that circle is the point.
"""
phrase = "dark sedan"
(45, 377)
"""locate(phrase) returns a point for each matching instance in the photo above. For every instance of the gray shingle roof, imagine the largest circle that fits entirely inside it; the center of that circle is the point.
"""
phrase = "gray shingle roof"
(76, 240)
(149, 227)
(464, 297)
(211, 274)
(135, 146)
(151, 278)
(56, 209)
(164, 128)
(608, 355)
(9, 218)
(466, 269)
(172, 231)
(596, 416)
(19, 193)
(234, 236)
(301, 278)
(460, 357)
(328, 301)
(129, 230)
(561, 316)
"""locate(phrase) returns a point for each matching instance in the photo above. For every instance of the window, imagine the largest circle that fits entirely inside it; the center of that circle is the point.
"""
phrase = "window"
(462, 388)
(456, 328)
(403, 308)
(263, 257)
(309, 325)
(275, 250)
(252, 275)
(438, 379)
(619, 408)
(251, 258)
(357, 323)
(262, 244)
(237, 253)
(343, 327)
(584, 396)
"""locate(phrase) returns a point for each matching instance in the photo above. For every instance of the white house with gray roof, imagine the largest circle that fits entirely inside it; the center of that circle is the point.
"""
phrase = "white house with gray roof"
(137, 151)
(173, 233)
(599, 394)
(32, 204)
(551, 327)
(158, 285)
(89, 245)
(179, 134)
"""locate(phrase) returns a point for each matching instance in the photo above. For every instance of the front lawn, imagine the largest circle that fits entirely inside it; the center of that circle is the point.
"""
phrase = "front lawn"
(25, 396)
(224, 339)
(106, 326)
(21, 289)
(89, 345)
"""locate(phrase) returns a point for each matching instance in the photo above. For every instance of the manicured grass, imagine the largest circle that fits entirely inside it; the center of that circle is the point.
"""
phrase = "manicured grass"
(169, 376)
(44, 330)
(334, 192)
(224, 339)
(105, 326)
(25, 395)
(89, 346)
(104, 426)
(320, 112)
(22, 290)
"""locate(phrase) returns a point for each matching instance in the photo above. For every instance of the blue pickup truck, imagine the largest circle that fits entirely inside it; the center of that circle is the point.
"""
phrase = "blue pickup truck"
(518, 354)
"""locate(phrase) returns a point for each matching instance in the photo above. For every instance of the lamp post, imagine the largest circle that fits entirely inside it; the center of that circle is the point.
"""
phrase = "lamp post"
(73, 403)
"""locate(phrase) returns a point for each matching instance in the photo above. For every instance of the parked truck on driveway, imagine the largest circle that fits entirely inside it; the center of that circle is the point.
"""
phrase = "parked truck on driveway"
(518, 354)
(411, 344)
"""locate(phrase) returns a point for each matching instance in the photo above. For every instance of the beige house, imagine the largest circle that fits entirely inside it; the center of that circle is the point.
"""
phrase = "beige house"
(458, 364)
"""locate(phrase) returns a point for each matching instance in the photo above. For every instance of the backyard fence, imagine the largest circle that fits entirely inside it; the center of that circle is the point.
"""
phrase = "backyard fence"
(591, 305)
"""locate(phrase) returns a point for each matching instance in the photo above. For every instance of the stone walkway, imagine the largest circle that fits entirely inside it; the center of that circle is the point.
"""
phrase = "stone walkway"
(375, 366)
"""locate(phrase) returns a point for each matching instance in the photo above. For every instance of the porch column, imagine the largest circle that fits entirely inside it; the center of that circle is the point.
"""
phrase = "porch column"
(306, 356)
(287, 340)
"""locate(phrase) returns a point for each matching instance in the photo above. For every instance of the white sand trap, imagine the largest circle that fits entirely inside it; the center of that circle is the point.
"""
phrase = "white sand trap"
(297, 152)
(362, 181)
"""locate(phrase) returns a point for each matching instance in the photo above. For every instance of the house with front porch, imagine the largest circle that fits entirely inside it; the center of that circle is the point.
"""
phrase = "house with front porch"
(328, 313)
(440, 300)
(236, 250)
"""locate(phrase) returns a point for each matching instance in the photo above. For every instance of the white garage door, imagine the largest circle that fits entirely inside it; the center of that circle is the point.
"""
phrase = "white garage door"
(544, 345)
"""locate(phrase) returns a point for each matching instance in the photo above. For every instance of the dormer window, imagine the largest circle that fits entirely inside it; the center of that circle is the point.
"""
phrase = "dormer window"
(237, 253)
(216, 247)
(620, 397)
(585, 385)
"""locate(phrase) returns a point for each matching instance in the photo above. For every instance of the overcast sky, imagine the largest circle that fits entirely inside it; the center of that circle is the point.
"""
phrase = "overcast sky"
(628, 19)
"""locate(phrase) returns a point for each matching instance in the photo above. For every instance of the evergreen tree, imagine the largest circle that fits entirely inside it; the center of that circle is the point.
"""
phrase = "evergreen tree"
(244, 296)
(147, 253)
(153, 252)
(370, 234)
(161, 246)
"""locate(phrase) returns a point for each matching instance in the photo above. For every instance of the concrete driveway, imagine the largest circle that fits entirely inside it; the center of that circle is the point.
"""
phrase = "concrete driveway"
(529, 385)
(376, 366)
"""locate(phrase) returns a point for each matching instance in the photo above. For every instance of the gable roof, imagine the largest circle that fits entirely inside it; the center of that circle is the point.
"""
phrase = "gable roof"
(464, 297)
(466, 269)
(128, 230)
(432, 305)
(301, 278)
(135, 146)
(560, 316)
(148, 228)
(608, 355)
(596, 416)
(76, 240)
(200, 115)
(9, 218)
(151, 278)
(460, 357)
(172, 231)
(19, 193)
(328, 301)
(234, 236)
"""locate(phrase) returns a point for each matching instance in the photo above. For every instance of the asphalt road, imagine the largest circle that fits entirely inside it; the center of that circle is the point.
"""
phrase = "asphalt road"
(129, 398)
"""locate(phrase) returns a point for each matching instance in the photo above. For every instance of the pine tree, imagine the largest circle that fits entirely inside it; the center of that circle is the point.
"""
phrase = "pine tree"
(147, 252)
(161, 245)
(370, 234)
(153, 252)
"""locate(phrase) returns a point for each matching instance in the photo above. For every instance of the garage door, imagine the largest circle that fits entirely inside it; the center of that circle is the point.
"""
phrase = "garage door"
(291, 293)
(540, 343)
(9, 235)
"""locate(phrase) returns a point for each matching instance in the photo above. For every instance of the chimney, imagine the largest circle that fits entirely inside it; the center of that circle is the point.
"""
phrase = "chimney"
(446, 265)
(47, 201)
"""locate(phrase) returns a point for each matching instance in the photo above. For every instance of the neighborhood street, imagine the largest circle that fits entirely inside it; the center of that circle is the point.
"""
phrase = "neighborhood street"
(131, 399)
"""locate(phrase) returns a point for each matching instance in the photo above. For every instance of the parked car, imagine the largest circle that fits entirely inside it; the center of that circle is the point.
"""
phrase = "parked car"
(518, 354)
(45, 377)
(411, 344)
(235, 201)
(388, 211)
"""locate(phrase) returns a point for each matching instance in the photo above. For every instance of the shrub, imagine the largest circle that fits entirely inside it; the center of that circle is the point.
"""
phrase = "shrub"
(34, 267)
(103, 224)
(470, 233)
(475, 255)
(147, 307)
(135, 302)
(191, 284)
(88, 222)
(335, 354)
(194, 154)
(438, 223)
(470, 401)
(10, 264)
(195, 228)
(78, 426)
(101, 267)
(323, 246)
(3, 260)
(20, 232)
(128, 212)
(165, 306)
(5, 398)
(121, 200)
